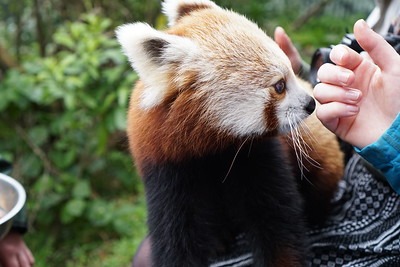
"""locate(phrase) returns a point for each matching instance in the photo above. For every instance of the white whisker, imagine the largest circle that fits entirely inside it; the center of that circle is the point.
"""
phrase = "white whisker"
(251, 145)
(307, 147)
(297, 149)
(234, 159)
(315, 141)
(300, 147)
(308, 132)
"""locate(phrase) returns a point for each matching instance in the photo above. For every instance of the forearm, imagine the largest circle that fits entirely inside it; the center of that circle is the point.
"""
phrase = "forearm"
(384, 154)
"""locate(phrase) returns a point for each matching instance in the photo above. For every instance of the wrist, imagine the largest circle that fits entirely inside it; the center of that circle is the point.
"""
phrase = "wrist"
(384, 154)
(377, 130)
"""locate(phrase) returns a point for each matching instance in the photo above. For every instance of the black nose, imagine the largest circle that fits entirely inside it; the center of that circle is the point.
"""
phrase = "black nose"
(310, 106)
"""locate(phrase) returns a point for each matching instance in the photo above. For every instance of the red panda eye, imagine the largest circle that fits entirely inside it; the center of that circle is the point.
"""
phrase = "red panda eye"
(280, 86)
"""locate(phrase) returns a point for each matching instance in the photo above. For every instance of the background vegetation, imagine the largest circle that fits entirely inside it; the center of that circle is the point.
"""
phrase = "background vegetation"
(64, 89)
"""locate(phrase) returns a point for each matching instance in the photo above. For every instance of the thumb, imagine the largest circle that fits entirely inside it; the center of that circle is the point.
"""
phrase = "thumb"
(287, 46)
(380, 51)
(282, 39)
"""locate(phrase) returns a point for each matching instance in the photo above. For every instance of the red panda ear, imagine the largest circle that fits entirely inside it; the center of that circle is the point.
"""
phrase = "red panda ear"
(176, 9)
(153, 54)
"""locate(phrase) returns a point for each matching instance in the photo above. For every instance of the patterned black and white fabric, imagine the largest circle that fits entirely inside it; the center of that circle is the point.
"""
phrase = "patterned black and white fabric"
(362, 231)
(364, 227)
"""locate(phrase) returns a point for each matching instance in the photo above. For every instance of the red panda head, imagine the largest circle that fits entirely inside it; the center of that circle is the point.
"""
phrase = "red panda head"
(212, 79)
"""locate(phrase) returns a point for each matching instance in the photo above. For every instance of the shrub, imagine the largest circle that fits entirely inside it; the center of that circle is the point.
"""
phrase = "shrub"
(62, 121)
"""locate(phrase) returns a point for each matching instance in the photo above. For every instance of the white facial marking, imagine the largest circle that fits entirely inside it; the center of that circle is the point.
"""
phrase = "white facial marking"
(240, 114)
(291, 110)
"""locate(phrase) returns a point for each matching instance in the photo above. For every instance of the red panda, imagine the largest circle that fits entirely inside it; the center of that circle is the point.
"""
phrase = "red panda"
(212, 128)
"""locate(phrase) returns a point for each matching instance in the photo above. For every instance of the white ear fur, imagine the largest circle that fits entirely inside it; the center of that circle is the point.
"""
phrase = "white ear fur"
(171, 8)
(150, 53)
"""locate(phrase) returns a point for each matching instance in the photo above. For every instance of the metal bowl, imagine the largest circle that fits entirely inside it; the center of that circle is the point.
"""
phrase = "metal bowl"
(12, 199)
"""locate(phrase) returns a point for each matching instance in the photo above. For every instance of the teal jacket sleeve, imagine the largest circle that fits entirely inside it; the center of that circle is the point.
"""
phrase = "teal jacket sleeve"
(384, 154)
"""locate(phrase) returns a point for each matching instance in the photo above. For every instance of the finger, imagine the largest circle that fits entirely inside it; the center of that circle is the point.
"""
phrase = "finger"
(283, 40)
(366, 56)
(326, 93)
(30, 257)
(381, 52)
(23, 260)
(26, 256)
(346, 57)
(330, 113)
(333, 74)
(287, 46)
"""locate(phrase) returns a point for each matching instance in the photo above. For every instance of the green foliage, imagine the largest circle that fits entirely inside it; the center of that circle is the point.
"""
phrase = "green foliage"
(63, 119)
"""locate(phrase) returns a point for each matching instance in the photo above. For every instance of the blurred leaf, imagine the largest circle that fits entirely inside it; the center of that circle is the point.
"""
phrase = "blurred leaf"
(100, 213)
(30, 165)
(51, 200)
(63, 158)
(65, 39)
(38, 135)
(81, 189)
(72, 209)
(44, 183)
(120, 119)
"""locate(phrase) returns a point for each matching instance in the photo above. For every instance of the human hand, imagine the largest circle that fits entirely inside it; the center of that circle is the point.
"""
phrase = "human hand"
(14, 252)
(360, 95)
(285, 43)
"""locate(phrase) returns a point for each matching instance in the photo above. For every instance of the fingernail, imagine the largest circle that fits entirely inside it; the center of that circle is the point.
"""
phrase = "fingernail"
(363, 23)
(353, 94)
(351, 109)
(338, 53)
(344, 76)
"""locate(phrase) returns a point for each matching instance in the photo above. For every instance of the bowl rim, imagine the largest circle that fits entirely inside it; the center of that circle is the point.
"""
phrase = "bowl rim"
(21, 199)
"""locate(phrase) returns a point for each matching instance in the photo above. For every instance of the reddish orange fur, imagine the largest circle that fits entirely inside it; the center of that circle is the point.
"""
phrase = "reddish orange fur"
(177, 126)
(159, 138)
(185, 10)
(156, 137)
